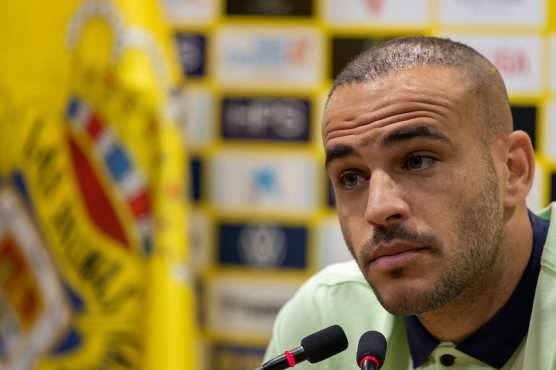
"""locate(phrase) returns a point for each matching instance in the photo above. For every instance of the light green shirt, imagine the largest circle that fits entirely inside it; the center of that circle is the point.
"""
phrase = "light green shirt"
(339, 294)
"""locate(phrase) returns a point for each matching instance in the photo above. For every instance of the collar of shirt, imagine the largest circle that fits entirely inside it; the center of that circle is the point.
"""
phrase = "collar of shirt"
(495, 341)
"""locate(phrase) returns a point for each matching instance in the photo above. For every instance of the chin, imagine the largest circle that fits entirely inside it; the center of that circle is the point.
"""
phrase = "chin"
(406, 297)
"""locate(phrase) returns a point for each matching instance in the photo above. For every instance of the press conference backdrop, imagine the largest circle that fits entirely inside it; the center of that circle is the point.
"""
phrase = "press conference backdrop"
(262, 214)
(258, 72)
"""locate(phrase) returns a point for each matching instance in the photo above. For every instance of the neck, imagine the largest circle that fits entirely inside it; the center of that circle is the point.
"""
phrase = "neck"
(479, 302)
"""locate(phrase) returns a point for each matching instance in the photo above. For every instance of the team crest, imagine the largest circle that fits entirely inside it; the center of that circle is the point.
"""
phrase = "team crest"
(33, 310)
(110, 155)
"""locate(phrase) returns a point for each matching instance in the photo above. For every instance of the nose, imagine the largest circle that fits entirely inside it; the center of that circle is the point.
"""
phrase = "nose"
(385, 204)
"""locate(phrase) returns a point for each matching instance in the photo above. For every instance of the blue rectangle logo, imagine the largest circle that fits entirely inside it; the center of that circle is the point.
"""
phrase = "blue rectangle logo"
(266, 118)
(192, 53)
(262, 245)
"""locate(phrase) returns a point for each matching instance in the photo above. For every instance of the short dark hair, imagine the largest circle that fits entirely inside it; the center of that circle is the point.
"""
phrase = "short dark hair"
(404, 53)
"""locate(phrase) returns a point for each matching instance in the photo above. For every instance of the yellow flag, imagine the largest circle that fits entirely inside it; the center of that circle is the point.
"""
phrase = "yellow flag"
(92, 205)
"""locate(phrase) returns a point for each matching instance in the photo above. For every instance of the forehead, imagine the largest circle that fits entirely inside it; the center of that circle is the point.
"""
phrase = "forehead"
(433, 95)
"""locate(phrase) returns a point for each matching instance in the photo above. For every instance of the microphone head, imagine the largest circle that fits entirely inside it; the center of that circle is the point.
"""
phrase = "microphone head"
(372, 343)
(324, 343)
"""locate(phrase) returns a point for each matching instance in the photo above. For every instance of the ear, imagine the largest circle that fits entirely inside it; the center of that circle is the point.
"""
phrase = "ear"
(520, 164)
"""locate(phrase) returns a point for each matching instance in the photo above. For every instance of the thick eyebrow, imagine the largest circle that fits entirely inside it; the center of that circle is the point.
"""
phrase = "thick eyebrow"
(339, 151)
(417, 132)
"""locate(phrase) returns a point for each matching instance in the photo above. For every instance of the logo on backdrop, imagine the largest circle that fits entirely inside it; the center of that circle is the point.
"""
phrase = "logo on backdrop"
(374, 6)
(192, 50)
(266, 118)
(262, 245)
(511, 62)
(265, 183)
(271, 50)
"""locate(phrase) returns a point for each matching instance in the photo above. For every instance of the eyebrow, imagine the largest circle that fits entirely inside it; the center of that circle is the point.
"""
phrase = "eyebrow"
(339, 151)
(411, 133)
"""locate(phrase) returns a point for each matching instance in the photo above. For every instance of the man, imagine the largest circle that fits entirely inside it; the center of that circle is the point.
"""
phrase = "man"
(430, 182)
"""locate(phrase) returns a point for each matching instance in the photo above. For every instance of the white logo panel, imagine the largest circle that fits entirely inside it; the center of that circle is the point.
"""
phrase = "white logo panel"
(263, 182)
(200, 239)
(493, 12)
(259, 56)
(245, 306)
(377, 12)
(197, 105)
(550, 131)
(553, 65)
(332, 247)
(535, 200)
(197, 12)
(518, 58)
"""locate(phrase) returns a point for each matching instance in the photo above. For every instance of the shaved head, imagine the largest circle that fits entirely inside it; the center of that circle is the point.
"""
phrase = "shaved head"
(484, 81)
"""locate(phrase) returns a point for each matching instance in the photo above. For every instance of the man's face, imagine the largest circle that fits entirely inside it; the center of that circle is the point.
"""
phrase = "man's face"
(417, 193)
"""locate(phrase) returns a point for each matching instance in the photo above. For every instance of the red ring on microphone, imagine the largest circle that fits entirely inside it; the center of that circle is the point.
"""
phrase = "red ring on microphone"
(373, 359)
(290, 358)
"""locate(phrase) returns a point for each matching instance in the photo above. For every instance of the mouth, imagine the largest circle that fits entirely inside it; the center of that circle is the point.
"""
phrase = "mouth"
(395, 256)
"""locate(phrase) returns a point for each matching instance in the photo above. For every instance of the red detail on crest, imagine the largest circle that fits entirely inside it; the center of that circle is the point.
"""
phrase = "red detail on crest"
(94, 126)
(140, 205)
(97, 203)
(18, 282)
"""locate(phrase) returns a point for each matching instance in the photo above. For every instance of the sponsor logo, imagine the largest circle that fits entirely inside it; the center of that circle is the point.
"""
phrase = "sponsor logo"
(517, 57)
(380, 12)
(268, 182)
(265, 183)
(246, 306)
(266, 118)
(493, 12)
(511, 62)
(271, 51)
(262, 245)
(190, 11)
(258, 56)
(374, 6)
(192, 50)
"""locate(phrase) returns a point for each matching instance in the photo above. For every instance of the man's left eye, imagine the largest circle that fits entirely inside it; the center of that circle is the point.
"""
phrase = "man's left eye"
(419, 162)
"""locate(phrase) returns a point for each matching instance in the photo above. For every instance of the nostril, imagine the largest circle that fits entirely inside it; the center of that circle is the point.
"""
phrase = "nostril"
(397, 216)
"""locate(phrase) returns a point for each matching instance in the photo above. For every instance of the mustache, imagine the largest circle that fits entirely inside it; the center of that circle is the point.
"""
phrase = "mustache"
(386, 234)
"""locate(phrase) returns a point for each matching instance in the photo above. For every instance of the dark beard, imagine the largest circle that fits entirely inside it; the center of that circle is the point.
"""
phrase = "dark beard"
(479, 225)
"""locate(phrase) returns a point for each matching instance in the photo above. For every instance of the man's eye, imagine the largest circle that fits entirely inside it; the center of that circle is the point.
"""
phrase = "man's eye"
(350, 180)
(419, 162)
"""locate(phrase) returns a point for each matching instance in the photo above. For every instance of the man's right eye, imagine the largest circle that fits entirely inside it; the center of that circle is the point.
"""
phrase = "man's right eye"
(350, 180)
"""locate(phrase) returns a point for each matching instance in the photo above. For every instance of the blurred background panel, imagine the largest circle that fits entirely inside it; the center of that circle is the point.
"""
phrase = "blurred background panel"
(240, 210)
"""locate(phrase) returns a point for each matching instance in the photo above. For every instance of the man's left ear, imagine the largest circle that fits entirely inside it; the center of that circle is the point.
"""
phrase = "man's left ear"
(520, 165)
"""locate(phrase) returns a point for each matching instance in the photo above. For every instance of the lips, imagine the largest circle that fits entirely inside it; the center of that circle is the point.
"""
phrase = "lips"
(395, 255)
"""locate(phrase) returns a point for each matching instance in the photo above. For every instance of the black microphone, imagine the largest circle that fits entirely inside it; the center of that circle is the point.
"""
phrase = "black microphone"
(371, 351)
(315, 347)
